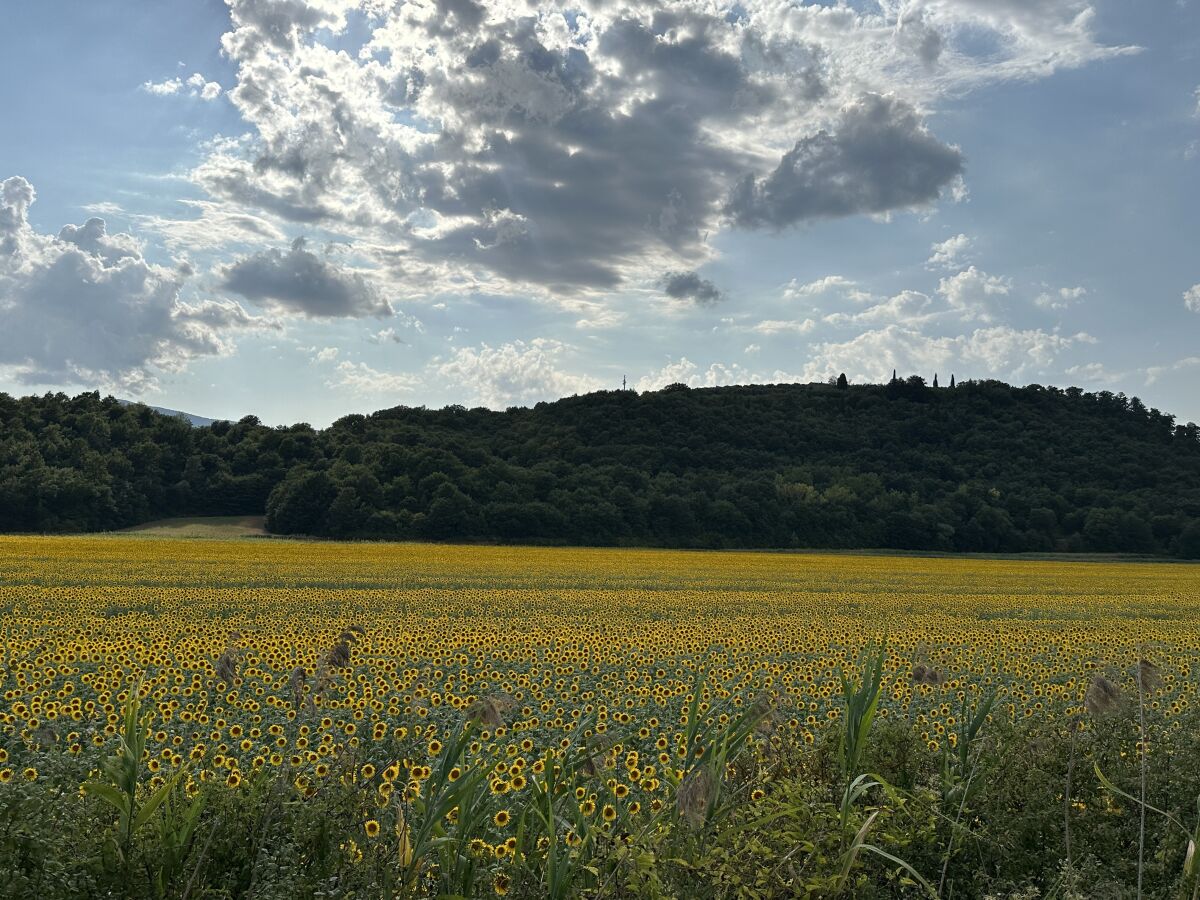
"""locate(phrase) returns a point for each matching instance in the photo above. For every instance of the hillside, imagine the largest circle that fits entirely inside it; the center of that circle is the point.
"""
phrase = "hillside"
(192, 418)
(980, 467)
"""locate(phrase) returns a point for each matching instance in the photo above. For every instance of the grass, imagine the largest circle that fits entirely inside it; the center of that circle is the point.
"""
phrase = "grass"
(210, 527)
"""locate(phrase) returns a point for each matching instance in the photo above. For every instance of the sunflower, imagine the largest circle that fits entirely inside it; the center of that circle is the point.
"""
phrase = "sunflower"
(501, 883)
(502, 818)
(372, 828)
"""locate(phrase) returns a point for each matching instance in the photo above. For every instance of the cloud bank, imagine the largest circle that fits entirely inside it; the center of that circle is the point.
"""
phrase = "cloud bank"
(86, 307)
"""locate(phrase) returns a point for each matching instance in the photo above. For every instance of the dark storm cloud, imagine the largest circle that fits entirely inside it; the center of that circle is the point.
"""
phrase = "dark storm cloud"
(300, 281)
(690, 286)
(879, 157)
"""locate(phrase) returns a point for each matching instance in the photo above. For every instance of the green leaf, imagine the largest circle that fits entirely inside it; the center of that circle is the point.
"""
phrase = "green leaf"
(1116, 790)
(155, 801)
(902, 864)
(108, 794)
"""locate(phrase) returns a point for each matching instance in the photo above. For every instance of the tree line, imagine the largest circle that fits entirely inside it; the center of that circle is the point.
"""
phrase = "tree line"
(984, 466)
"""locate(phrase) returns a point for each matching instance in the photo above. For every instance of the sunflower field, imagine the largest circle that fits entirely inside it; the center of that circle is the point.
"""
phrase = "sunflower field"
(268, 718)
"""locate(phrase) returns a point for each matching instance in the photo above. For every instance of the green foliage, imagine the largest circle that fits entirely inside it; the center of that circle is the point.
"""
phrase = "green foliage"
(780, 828)
(136, 803)
(982, 467)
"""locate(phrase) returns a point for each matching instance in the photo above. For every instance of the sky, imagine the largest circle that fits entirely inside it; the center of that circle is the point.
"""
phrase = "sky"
(300, 209)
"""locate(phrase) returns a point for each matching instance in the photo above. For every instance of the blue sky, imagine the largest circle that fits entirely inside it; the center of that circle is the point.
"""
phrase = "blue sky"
(302, 208)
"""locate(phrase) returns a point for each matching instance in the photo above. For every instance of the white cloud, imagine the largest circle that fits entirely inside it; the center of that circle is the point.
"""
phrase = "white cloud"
(795, 289)
(392, 335)
(907, 306)
(1191, 298)
(684, 371)
(326, 354)
(366, 381)
(1060, 299)
(163, 88)
(783, 326)
(995, 352)
(196, 85)
(950, 253)
(215, 226)
(516, 373)
(87, 308)
(1154, 373)
(974, 293)
(1095, 373)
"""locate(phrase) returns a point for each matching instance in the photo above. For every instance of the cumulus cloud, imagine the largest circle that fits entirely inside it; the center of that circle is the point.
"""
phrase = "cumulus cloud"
(366, 381)
(684, 371)
(1094, 373)
(691, 287)
(516, 373)
(795, 289)
(518, 148)
(195, 85)
(950, 253)
(975, 293)
(907, 306)
(1061, 299)
(879, 156)
(996, 352)
(299, 281)
(1191, 298)
(85, 307)
(772, 327)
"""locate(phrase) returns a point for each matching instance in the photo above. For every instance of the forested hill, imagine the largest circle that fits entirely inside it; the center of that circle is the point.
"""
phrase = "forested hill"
(979, 467)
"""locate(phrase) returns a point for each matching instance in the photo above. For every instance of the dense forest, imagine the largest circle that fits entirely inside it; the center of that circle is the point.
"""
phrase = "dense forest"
(979, 467)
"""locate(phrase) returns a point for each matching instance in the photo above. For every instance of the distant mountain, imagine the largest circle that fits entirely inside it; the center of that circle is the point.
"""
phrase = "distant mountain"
(983, 466)
(194, 420)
